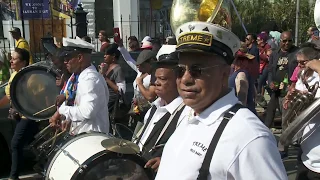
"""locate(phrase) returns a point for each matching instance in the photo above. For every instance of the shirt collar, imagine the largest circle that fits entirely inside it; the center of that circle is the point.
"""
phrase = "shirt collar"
(85, 71)
(217, 109)
(171, 107)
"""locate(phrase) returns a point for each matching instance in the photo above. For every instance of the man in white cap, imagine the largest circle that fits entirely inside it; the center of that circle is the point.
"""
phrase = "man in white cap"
(86, 93)
(162, 118)
(219, 138)
(146, 39)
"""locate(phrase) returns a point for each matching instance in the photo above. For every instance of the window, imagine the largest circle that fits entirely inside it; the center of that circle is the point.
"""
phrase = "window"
(104, 16)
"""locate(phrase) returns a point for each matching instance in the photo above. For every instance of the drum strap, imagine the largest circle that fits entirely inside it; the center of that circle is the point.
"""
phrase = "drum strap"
(144, 128)
(204, 170)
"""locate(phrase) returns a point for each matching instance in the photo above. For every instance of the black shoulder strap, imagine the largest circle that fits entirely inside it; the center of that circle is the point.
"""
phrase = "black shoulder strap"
(153, 110)
(204, 170)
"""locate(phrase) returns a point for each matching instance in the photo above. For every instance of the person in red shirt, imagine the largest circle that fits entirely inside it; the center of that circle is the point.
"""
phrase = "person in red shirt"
(264, 53)
(104, 40)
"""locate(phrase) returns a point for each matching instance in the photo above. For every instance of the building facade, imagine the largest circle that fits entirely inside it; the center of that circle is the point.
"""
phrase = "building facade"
(132, 17)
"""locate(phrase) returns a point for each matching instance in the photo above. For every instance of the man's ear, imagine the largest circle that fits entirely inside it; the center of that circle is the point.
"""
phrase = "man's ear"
(80, 57)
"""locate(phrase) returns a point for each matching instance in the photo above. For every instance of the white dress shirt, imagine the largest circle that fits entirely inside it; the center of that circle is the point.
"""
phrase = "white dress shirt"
(159, 113)
(132, 63)
(90, 110)
(247, 150)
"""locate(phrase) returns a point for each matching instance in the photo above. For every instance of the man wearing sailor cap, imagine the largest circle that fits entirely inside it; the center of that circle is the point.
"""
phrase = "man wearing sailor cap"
(218, 138)
(166, 111)
(86, 93)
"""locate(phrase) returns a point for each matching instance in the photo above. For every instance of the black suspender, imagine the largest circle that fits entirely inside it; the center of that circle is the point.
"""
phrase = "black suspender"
(153, 110)
(204, 170)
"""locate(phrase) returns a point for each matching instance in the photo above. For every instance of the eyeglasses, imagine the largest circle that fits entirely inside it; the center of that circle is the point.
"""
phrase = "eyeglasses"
(286, 40)
(194, 70)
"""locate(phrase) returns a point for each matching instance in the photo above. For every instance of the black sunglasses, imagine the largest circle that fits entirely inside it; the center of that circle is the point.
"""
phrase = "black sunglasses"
(194, 70)
(285, 41)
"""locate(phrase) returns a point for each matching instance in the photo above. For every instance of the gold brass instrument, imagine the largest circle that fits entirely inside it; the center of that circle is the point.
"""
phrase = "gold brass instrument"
(301, 100)
(212, 11)
(302, 108)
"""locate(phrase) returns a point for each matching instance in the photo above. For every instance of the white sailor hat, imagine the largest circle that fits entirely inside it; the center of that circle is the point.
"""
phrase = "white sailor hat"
(199, 36)
(167, 55)
(77, 44)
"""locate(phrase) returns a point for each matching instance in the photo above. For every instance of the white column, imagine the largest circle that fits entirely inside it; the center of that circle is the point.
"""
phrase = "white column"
(126, 8)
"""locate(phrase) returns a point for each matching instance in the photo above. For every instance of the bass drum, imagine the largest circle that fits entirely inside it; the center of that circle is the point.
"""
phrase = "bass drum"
(34, 89)
(84, 158)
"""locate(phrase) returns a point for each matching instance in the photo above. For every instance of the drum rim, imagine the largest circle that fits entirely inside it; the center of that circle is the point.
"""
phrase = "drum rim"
(52, 158)
(111, 155)
(13, 86)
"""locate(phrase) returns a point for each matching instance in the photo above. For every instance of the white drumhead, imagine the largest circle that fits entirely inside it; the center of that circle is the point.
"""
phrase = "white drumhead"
(80, 148)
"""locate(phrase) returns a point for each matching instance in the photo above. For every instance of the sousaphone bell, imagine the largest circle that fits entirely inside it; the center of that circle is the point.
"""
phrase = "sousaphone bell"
(212, 11)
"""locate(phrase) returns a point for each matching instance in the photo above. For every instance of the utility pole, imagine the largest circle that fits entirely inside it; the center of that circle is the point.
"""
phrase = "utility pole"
(296, 36)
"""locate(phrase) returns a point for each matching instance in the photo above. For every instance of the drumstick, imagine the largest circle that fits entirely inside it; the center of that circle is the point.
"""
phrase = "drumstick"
(43, 110)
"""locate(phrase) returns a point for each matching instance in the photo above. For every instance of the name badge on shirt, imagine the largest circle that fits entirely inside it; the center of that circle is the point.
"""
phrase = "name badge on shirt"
(198, 148)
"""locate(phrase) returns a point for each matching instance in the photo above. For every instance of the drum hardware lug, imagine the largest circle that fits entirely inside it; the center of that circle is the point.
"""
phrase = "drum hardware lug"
(72, 158)
(120, 155)
(82, 168)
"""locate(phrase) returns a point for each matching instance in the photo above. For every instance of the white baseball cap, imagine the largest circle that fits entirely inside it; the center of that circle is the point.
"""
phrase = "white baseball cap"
(146, 39)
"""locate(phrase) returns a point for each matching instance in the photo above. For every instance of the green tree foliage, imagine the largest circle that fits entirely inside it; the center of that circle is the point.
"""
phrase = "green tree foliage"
(257, 13)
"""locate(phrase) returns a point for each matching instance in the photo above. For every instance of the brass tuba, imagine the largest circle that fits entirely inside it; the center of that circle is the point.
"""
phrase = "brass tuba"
(303, 106)
(212, 11)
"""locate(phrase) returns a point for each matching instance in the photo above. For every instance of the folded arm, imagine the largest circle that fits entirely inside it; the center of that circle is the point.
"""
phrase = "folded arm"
(242, 87)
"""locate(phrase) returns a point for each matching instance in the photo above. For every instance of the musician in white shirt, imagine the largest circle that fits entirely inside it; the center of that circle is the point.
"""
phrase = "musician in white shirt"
(239, 146)
(90, 109)
(166, 111)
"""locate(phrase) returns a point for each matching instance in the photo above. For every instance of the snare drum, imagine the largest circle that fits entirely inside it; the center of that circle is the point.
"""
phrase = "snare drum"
(82, 157)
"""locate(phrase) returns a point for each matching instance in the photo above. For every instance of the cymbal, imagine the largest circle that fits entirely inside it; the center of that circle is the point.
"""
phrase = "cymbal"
(120, 146)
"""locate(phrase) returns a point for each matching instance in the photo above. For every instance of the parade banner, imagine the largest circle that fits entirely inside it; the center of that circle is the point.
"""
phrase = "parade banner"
(36, 9)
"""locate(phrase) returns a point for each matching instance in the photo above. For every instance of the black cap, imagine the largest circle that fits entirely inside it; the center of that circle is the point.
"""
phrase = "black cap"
(15, 30)
(112, 50)
(145, 55)
(167, 55)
